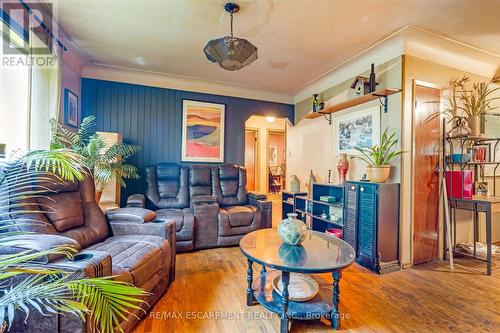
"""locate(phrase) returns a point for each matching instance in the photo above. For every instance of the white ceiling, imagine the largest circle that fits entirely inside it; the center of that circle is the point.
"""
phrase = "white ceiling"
(298, 40)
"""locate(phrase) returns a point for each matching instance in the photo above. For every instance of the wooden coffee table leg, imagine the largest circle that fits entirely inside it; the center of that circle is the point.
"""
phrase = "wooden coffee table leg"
(285, 279)
(249, 291)
(335, 317)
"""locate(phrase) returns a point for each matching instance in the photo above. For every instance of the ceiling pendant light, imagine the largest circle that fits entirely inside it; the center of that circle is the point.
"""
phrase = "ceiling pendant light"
(230, 52)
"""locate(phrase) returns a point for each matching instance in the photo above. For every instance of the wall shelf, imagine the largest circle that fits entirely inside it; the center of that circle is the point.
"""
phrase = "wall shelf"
(382, 93)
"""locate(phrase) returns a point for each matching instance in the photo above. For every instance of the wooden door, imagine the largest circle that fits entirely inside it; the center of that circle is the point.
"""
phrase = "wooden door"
(425, 178)
(251, 158)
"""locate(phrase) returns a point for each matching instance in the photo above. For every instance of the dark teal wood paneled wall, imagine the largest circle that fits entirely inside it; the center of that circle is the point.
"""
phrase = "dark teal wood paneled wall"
(152, 118)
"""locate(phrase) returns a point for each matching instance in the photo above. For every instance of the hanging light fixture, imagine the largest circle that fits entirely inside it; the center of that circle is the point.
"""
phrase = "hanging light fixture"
(230, 52)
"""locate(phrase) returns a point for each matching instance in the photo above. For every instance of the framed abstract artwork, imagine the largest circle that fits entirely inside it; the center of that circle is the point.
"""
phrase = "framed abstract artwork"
(71, 112)
(357, 129)
(202, 131)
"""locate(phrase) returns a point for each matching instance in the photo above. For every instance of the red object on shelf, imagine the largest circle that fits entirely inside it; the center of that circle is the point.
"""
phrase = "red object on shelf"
(459, 184)
(335, 232)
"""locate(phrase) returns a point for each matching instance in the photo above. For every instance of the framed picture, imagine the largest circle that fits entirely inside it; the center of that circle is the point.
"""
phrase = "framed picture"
(272, 155)
(357, 129)
(202, 131)
(71, 112)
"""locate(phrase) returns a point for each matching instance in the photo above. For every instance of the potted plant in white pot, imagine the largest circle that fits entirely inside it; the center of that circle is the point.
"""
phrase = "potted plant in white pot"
(378, 157)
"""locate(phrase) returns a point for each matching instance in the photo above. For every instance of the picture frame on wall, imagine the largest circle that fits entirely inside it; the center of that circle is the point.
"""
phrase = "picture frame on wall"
(357, 129)
(203, 131)
(71, 110)
(272, 155)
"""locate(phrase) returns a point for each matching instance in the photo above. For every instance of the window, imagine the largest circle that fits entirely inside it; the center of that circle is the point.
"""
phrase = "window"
(14, 96)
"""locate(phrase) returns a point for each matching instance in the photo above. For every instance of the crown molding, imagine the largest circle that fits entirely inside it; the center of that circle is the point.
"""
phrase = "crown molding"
(413, 41)
(161, 80)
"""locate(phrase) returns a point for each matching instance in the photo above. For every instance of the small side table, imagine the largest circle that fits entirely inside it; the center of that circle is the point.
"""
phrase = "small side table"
(319, 253)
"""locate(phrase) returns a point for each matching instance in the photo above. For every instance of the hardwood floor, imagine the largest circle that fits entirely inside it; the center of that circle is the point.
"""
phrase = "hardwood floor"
(427, 298)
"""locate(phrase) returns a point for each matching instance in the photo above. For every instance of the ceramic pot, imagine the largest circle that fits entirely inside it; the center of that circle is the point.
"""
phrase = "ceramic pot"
(475, 125)
(378, 174)
(342, 167)
(292, 231)
(295, 184)
(312, 180)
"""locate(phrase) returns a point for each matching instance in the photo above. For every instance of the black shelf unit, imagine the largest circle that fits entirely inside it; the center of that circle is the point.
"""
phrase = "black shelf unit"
(288, 202)
(478, 203)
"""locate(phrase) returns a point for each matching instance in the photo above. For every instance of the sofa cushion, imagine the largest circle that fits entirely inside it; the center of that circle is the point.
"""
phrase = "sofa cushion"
(63, 210)
(239, 216)
(136, 257)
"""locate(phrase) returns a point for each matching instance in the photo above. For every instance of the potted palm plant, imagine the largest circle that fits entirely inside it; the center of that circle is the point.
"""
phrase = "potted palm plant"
(29, 287)
(471, 100)
(105, 163)
(378, 157)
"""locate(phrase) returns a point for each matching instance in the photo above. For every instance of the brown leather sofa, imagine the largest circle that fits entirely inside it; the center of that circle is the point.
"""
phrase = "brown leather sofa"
(213, 210)
(140, 254)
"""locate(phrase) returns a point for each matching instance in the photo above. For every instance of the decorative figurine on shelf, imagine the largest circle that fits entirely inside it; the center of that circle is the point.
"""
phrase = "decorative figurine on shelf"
(316, 103)
(361, 85)
(364, 178)
(329, 176)
(460, 127)
(342, 167)
(295, 184)
(312, 179)
(323, 215)
(292, 231)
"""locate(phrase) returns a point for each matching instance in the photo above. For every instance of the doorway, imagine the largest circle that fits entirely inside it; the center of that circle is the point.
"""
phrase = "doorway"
(427, 137)
(276, 161)
(251, 137)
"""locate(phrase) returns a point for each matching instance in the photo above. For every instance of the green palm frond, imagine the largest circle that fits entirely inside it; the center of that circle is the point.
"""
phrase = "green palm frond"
(104, 163)
(26, 285)
(381, 154)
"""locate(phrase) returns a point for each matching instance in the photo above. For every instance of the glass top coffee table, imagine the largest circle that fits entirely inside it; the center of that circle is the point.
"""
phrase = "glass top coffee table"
(319, 253)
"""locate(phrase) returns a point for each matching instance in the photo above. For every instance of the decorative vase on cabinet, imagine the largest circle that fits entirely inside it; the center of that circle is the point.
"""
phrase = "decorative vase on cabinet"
(342, 167)
(312, 180)
(295, 184)
(292, 231)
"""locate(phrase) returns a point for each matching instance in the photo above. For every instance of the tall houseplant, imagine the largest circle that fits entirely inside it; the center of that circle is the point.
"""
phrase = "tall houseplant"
(105, 163)
(379, 156)
(37, 288)
(471, 100)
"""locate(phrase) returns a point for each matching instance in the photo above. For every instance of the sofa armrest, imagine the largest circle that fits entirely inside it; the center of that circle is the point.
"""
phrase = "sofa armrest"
(266, 207)
(37, 243)
(131, 214)
(206, 222)
(136, 200)
(90, 263)
(162, 228)
(256, 196)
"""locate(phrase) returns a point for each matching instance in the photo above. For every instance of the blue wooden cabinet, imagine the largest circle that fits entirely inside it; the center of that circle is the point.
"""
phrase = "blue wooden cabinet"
(371, 224)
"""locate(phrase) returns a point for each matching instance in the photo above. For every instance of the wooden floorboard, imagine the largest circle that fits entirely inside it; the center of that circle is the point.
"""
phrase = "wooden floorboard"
(423, 299)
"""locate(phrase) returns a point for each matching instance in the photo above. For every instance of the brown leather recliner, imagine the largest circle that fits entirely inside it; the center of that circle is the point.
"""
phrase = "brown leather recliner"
(140, 254)
(168, 195)
(239, 212)
(222, 209)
